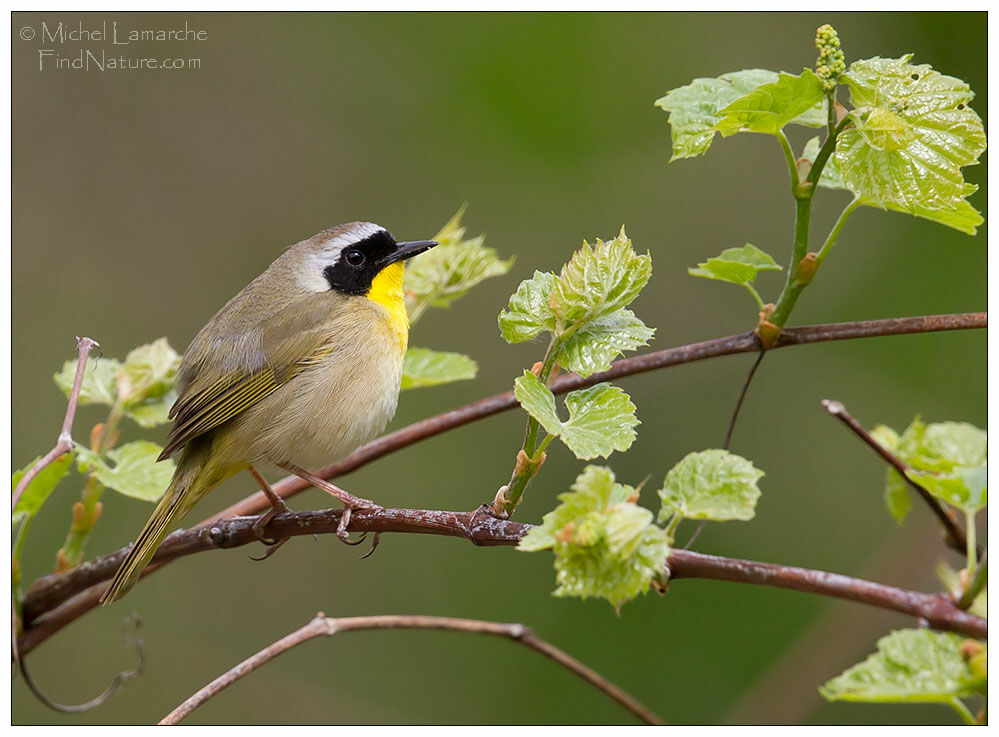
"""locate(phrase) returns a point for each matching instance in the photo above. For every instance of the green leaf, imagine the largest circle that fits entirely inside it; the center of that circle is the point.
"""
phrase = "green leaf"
(945, 445)
(911, 666)
(446, 273)
(604, 544)
(150, 370)
(601, 418)
(599, 280)
(830, 177)
(136, 472)
(736, 265)
(424, 367)
(694, 109)
(152, 412)
(529, 312)
(42, 485)
(962, 216)
(965, 487)
(594, 346)
(896, 495)
(34, 495)
(771, 106)
(583, 307)
(948, 459)
(100, 380)
(712, 484)
(913, 132)
(897, 499)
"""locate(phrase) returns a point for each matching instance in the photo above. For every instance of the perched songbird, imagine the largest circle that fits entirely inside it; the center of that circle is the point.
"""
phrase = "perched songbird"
(297, 370)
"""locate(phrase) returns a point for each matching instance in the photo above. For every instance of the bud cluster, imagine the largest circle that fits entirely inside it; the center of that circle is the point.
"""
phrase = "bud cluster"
(831, 62)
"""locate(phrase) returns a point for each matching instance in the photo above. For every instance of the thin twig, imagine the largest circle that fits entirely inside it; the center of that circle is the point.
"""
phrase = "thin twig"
(52, 596)
(64, 444)
(741, 343)
(323, 626)
(742, 398)
(955, 537)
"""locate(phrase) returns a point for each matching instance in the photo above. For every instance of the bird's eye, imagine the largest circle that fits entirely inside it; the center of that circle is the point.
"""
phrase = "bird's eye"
(354, 258)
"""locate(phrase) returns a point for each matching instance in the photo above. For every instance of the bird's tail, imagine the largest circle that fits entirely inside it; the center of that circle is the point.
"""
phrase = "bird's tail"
(190, 483)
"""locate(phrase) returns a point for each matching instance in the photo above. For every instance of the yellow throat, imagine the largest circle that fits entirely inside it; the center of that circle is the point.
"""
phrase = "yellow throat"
(386, 290)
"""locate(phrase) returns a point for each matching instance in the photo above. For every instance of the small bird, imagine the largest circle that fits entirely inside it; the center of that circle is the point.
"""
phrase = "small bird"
(297, 370)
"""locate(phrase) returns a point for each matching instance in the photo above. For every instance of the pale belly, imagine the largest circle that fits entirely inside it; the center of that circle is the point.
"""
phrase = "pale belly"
(327, 411)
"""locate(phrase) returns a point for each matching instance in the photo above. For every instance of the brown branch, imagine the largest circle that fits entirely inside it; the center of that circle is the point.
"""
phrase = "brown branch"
(49, 604)
(58, 615)
(323, 626)
(955, 537)
(742, 343)
(64, 443)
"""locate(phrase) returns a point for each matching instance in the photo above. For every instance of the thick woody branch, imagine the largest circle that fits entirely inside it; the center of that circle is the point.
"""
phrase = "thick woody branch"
(46, 597)
(323, 626)
(64, 444)
(742, 343)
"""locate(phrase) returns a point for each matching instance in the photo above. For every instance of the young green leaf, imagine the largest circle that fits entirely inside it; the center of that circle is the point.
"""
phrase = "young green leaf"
(771, 106)
(135, 473)
(830, 177)
(584, 307)
(597, 343)
(424, 367)
(529, 312)
(599, 280)
(912, 133)
(150, 370)
(913, 665)
(42, 485)
(34, 496)
(896, 493)
(601, 418)
(965, 487)
(446, 273)
(152, 412)
(694, 109)
(948, 459)
(100, 380)
(736, 265)
(962, 216)
(594, 490)
(604, 544)
(712, 484)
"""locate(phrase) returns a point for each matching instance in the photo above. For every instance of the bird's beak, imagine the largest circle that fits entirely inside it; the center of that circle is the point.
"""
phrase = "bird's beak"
(408, 249)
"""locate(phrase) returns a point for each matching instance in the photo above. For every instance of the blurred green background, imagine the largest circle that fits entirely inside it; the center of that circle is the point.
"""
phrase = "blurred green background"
(144, 200)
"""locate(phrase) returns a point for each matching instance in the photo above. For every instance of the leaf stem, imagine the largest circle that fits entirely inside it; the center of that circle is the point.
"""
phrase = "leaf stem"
(837, 227)
(531, 436)
(964, 712)
(792, 166)
(794, 287)
(671, 526)
(970, 533)
(977, 583)
(831, 111)
(756, 295)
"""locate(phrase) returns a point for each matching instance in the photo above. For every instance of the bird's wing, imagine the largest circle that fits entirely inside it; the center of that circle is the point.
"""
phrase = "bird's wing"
(212, 392)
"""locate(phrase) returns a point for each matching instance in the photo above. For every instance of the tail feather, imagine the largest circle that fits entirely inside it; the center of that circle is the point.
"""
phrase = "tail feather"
(187, 487)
